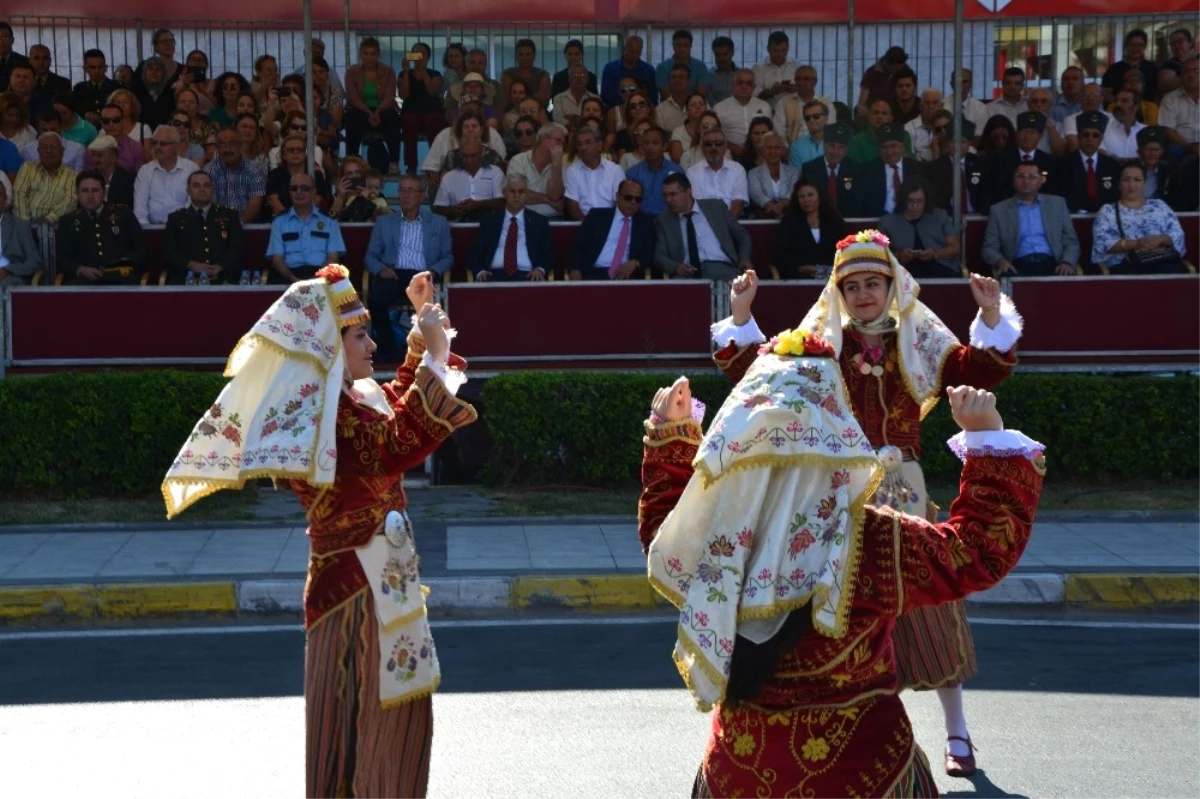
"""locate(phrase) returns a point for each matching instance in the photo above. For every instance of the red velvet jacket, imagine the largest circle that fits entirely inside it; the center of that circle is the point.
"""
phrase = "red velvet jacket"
(828, 721)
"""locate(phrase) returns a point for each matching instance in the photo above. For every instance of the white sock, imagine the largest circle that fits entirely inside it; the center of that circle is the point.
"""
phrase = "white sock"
(956, 720)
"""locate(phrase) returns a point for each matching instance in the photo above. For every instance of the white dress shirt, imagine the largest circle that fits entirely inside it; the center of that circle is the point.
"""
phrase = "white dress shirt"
(523, 262)
(593, 188)
(605, 258)
(1181, 112)
(971, 110)
(522, 164)
(457, 185)
(671, 114)
(1117, 142)
(157, 192)
(725, 184)
(565, 105)
(922, 138)
(1003, 108)
(1044, 143)
(706, 239)
(445, 141)
(789, 116)
(767, 75)
(736, 118)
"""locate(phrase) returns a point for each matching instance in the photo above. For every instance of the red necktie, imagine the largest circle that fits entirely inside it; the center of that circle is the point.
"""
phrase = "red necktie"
(896, 181)
(510, 248)
(831, 189)
(1093, 190)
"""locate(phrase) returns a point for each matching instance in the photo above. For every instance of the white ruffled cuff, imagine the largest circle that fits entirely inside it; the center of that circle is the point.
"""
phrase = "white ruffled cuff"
(1003, 337)
(453, 379)
(726, 332)
(994, 443)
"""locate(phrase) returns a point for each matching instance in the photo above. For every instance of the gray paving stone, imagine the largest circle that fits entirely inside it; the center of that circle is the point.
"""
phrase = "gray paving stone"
(156, 554)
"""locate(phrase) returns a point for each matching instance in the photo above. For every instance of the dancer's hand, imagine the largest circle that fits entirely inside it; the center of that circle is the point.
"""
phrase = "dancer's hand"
(433, 323)
(741, 295)
(420, 290)
(974, 409)
(985, 290)
(674, 404)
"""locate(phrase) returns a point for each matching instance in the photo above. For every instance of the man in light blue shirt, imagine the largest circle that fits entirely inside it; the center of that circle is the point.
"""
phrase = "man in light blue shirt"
(652, 170)
(681, 43)
(806, 148)
(303, 239)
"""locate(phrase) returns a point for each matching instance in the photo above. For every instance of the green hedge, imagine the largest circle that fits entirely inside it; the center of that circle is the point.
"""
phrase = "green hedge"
(586, 428)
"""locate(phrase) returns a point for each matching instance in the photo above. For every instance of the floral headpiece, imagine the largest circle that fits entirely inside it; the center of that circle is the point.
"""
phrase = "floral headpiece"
(865, 251)
(799, 343)
(349, 305)
(864, 237)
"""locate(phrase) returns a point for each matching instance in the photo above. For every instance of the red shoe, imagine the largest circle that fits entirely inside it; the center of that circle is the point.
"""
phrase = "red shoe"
(960, 766)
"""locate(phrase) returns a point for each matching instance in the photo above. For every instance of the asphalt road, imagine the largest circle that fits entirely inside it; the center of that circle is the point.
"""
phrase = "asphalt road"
(569, 707)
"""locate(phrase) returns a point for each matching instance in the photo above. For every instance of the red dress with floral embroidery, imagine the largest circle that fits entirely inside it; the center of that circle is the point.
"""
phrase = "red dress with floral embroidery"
(828, 722)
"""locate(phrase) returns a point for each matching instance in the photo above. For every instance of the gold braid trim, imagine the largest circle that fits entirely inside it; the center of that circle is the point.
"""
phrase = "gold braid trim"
(416, 343)
(279, 349)
(403, 620)
(724, 363)
(717, 678)
(687, 430)
(440, 405)
(420, 693)
(210, 486)
(791, 461)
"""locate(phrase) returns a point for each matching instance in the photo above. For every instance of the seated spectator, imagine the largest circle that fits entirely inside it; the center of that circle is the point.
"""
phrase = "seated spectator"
(414, 240)
(1030, 234)
(294, 124)
(839, 179)
(163, 42)
(48, 122)
(14, 121)
(92, 94)
(1052, 141)
(486, 93)
(161, 185)
(203, 237)
(74, 127)
(99, 244)
(884, 176)
(20, 257)
(229, 86)
(808, 233)
(279, 180)
(652, 170)
(475, 89)
(906, 106)
(1146, 110)
(237, 183)
(737, 112)
(683, 136)
(878, 82)
(131, 119)
(1012, 99)
(536, 79)
(1179, 113)
(811, 144)
(1030, 125)
(190, 150)
(638, 108)
(864, 148)
(573, 51)
(371, 106)
(750, 156)
(1170, 74)
(421, 113)
(943, 135)
(1163, 183)
(123, 75)
(266, 80)
(512, 104)
(542, 168)
(792, 109)
(693, 69)
(118, 181)
(251, 140)
(629, 66)
(1135, 59)
(1134, 226)
(20, 83)
(590, 182)
(591, 112)
(1090, 99)
(686, 142)
(920, 128)
(1120, 134)
(568, 104)
(130, 154)
(303, 239)
(524, 133)
(770, 184)
(999, 136)
(352, 201)
(672, 108)
(532, 107)
(975, 173)
(193, 78)
(42, 192)
(1087, 178)
(334, 93)
(615, 243)
(633, 157)
(513, 243)
(470, 124)
(698, 238)
(923, 236)
(467, 193)
(719, 177)
(154, 94)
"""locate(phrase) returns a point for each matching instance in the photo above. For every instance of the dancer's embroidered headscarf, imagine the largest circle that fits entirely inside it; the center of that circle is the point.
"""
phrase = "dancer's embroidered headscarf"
(772, 517)
(924, 341)
(278, 416)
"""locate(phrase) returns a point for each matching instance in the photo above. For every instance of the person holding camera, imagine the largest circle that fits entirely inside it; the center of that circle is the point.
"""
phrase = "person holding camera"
(421, 90)
(194, 76)
(354, 200)
(371, 107)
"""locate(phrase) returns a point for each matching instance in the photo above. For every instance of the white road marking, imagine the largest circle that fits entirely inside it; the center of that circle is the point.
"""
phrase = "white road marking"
(449, 624)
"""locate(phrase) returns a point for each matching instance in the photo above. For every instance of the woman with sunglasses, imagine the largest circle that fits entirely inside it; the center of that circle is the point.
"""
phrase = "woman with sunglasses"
(694, 153)
(229, 86)
(279, 179)
(190, 149)
(631, 158)
(683, 136)
(294, 124)
(131, 112)
(616, 115)
(637, 109)
(187, 101)
(524, 134)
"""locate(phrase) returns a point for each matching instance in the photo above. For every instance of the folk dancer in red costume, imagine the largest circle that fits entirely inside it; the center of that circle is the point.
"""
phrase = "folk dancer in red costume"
(789, 583)
(302, 406)
(896, 356)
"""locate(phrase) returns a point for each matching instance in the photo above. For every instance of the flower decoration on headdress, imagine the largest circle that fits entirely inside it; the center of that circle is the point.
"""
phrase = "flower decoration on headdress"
(864, 237)
(349, 306)
(798, 343)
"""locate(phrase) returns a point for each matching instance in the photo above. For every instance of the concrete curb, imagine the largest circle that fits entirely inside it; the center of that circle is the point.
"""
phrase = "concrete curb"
(114, 602)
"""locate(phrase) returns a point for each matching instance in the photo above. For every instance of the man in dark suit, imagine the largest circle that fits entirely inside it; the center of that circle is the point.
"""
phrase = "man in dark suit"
(615, 243)
(118, 182)
(8, 58)
(1030, 126)
(1087, 178)
(45, 81)
(884, 176)
(513, 244)
(92, 94)
(976, 173)
(1177, 190)
(202, 237)
(698, 238)
(100, 244)
(1030, 234)
(836, 177)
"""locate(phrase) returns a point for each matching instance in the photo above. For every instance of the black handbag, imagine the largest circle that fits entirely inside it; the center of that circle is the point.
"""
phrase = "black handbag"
(1164, 259)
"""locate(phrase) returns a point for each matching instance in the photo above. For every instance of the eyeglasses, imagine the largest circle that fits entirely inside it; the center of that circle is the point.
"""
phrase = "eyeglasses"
(631, 198)
(180, 123)
(941, 128)
(720, 143)
(628, 89)
(297, 188)
(639, 105)
(298, 127)
(110, 120)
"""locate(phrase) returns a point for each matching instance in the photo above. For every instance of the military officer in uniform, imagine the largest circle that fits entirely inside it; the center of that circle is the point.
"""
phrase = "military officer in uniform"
(202, 237)
(837, 177)
(976, 172)
(1030, 127)
(100, 244)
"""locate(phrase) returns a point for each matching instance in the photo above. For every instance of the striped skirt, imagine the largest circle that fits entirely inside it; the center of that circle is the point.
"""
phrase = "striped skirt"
(354, 747)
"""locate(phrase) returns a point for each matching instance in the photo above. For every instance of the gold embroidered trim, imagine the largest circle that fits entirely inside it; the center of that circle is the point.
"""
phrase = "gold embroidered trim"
(210, 486)
(279, 349)
(366, 589)
(686, 430)
(403, 620)
(420, 693)
(431, 391)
